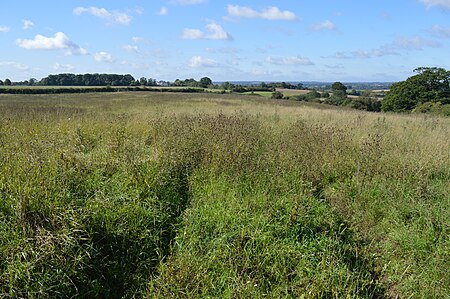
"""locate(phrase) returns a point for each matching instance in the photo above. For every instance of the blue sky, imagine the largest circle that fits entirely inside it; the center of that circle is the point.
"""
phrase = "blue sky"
(321, 40)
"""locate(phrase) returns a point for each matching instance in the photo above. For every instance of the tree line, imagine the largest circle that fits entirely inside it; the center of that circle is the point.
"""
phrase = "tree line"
(68, 79)
(87, 80)
(427, 91)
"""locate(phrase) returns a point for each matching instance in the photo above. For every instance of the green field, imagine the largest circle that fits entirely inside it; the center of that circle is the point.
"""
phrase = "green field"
(172, 195)
(266, 94)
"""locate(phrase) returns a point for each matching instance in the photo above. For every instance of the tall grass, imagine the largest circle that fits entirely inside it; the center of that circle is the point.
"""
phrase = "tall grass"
(206, 196)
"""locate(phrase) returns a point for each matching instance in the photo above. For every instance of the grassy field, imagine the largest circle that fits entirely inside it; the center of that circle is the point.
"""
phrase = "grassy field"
(266, 94)
(285, 92)
(178, 195)
(293, 92)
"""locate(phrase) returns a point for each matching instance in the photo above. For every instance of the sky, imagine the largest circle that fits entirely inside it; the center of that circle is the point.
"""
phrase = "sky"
(264, 40)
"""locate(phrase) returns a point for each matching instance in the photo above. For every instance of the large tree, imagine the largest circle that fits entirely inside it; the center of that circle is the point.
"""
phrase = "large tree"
(338, 86)
(205, 82)
(339, 95)
(431, 84)
(7, 82)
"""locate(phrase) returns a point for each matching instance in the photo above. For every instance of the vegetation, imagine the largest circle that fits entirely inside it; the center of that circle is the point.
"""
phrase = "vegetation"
(88, 80)
(310, 96)
(62, 90)
(366, 102)
(277, 95)
(204, 82)
(282, 85)
(430, 86)
(160, 195)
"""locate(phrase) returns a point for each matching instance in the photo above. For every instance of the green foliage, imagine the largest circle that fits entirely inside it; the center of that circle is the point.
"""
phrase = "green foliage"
(277, 95)
(429, 85)
(284, 85)
(338, 98)
(310, 96)
(87, 80)
(7, 82)
(366, 102)
(338, 86)
(107, 89)
(143, 81)
(434, 108)
(205, 82)
(227, 86)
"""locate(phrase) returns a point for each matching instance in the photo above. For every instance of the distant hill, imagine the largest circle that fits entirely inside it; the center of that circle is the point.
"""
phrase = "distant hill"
(322, 85)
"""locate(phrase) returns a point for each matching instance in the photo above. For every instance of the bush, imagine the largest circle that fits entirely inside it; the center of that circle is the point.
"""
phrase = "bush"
(277, 95)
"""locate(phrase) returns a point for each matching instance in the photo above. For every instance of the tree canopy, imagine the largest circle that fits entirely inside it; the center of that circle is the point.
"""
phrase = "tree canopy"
(88, 80)
(431, 84)
(338, 86)
(204, 82)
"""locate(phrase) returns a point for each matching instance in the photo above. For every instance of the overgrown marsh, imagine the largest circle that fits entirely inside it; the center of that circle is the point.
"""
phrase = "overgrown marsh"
(221, 196)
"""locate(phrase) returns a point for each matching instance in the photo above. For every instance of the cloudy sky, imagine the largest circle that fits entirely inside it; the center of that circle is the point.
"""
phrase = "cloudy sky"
(296, 40)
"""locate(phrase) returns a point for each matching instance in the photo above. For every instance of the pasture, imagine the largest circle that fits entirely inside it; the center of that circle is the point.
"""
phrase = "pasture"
(175, 195)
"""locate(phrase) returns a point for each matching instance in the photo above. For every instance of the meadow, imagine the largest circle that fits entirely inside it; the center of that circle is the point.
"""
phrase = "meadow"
(174, 195)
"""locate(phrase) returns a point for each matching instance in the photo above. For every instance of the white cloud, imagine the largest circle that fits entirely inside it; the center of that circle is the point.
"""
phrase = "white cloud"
(115, 17)
(133, 49)
(187, 2)
(440, 31)
(439, 3)
(192, 34)
(16, 65)
(137, 39)
(269, 13)
(415, 43)
(214, 31)
(412, 43)
(198, 62)
(163, 11)
(27, 24)
(4, 29)
(217, 32)
(103, 57)
(62, 67)
(325, 25)
(289, 60)
(58, 41)
(222, 50)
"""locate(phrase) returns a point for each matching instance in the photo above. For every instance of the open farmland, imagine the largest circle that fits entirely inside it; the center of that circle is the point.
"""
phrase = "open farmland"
(179, 195)
(293, 92)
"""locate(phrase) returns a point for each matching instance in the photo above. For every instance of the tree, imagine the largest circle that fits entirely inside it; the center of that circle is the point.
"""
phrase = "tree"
(7, 82)
(429, 85)
(205, 82)
(1, 82)
(277, 95)
(339, 94)
(227, 86)
(312, 95)
(143, 81)
(338, 86)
